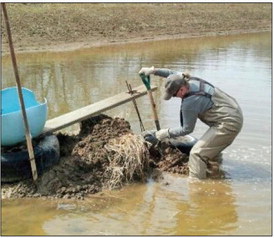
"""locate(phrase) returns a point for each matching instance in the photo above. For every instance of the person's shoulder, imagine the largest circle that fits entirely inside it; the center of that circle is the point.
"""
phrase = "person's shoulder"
(194, 99)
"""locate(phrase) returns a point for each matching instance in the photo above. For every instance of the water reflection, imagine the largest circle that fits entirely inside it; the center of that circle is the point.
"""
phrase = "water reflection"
(26, 217)
(212, 210)
(206, 208)
(70, 80)
(241, 65)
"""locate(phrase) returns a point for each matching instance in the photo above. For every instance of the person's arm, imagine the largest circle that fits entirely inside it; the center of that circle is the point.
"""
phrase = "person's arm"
(189, 122)
(189, 118)
(192, 106)
(162, 72)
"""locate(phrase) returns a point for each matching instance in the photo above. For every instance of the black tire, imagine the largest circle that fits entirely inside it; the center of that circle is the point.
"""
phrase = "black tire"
(15, 166)
(184, 145)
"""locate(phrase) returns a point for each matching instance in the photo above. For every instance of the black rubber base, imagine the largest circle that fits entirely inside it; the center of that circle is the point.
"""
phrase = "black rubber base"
(15, 166)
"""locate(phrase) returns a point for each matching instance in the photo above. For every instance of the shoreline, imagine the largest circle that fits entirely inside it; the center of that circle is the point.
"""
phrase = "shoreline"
(97, 42)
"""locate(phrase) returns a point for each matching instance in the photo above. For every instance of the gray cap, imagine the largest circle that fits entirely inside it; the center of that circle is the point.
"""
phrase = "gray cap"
(173, 84)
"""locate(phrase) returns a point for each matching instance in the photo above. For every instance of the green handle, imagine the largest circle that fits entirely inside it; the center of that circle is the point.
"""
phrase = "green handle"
(146, 80)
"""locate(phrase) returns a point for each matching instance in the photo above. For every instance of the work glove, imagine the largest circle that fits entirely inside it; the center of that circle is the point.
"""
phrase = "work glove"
(154, 136)
(150, 137)
(162, 134)
(147, 71)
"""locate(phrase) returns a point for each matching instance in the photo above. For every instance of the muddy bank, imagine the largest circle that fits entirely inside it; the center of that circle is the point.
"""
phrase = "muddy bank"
(104, 155)
(69, 26)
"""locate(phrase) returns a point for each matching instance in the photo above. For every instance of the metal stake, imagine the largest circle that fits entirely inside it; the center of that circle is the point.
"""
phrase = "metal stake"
(135, 106)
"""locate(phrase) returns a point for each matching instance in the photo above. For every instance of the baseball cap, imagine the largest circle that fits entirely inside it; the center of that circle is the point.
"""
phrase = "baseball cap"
(173, 84)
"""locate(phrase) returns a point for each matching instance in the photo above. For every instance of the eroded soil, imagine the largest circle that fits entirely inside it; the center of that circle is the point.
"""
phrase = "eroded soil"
(88, 165)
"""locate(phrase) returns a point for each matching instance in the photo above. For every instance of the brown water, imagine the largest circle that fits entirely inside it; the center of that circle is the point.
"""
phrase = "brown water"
(241, 205)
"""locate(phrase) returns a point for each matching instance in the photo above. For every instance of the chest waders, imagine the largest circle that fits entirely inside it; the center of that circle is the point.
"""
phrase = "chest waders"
(200, 92)
(224, 119)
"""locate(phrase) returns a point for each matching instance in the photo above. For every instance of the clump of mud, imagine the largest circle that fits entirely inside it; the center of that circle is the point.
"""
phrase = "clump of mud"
(174, 161)
(104, 155)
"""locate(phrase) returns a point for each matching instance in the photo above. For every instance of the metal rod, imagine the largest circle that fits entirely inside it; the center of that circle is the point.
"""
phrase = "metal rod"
(136, 107)
(19, 88)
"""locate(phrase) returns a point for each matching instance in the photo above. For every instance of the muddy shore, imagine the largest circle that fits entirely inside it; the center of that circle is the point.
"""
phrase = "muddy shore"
(104, 155)
(61, 27)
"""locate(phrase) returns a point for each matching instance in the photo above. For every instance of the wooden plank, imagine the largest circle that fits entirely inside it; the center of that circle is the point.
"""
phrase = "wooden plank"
(94, 109)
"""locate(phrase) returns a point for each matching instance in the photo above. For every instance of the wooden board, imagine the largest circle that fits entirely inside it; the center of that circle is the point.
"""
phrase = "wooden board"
(94, 109)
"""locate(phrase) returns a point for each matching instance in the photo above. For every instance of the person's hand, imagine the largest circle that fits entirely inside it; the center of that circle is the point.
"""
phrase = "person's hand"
(154, 136)
(147, 71)
(150, 136)
(148, 133)
(162, 134)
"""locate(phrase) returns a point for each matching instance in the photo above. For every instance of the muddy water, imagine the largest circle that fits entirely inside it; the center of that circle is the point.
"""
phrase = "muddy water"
(240, 205)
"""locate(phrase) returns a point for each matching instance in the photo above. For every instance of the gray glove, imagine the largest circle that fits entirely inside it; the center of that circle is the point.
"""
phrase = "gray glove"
(150, 137)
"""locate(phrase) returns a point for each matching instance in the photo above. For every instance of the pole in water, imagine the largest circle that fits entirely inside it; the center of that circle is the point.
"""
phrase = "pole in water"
(21, 99)
(135, 106)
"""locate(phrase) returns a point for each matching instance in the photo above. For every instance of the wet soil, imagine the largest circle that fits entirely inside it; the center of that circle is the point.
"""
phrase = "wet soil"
(85, 163)
(69, 26)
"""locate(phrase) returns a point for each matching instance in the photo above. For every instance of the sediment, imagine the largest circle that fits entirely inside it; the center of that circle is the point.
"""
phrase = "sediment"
(105, 154)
